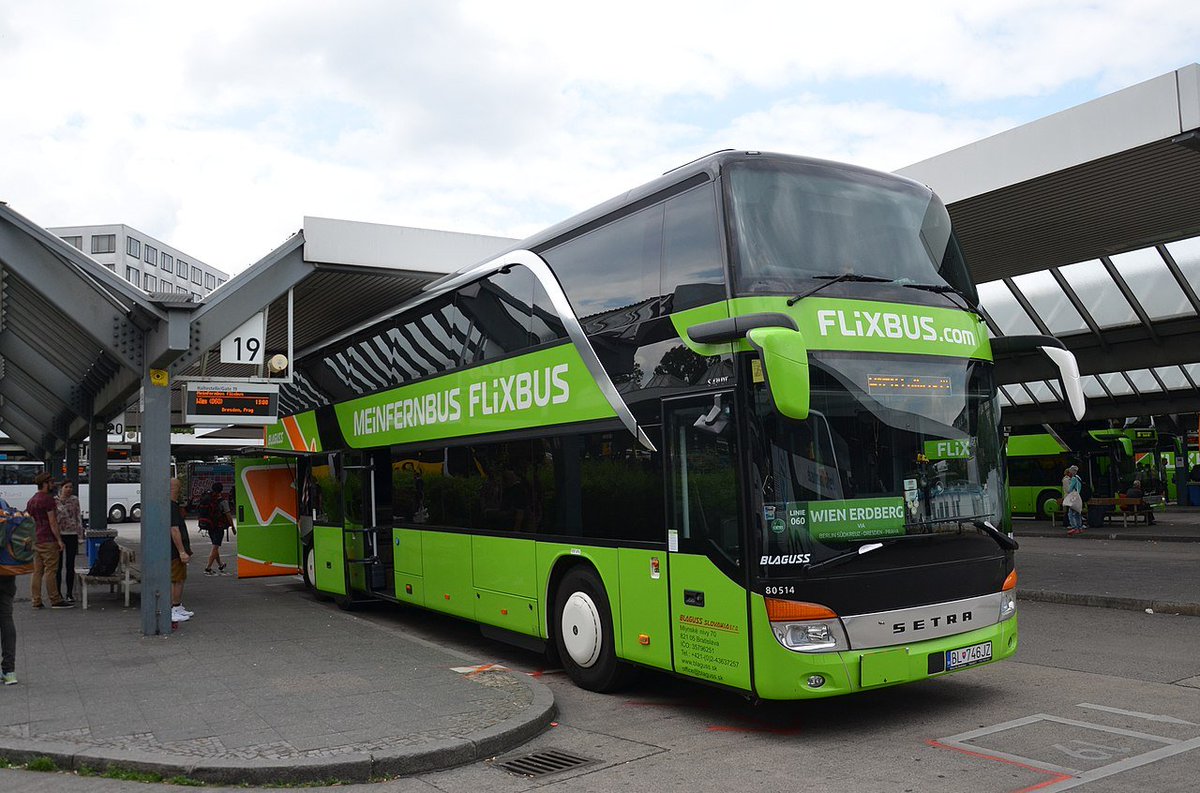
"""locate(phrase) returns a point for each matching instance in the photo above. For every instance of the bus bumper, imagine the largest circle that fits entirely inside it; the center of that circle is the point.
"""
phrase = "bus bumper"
(780, 673)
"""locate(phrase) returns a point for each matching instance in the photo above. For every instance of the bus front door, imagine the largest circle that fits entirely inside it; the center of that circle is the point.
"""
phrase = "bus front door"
(267, 509)
(710, 629)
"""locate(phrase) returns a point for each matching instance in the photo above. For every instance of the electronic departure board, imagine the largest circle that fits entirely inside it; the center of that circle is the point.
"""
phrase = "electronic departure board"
(908, 384)
(231, 403)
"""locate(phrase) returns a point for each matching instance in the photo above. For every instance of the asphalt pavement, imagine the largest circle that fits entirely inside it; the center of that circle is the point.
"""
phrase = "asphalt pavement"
(266, 686)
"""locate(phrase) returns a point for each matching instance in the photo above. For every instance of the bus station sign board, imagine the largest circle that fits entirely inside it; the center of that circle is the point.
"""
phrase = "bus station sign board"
(231, 403)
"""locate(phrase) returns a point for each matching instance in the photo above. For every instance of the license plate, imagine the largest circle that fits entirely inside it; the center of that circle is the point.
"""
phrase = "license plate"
(968, 656)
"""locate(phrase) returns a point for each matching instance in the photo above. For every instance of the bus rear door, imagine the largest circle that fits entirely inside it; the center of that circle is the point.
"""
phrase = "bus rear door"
(267, 511)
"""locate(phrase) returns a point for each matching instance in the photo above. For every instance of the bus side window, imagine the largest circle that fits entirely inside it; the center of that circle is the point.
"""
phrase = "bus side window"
(693, 270)
(607, 272)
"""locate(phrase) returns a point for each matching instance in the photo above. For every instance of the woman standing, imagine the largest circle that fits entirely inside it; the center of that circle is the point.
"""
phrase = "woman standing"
(1073, 500)
(70, 526)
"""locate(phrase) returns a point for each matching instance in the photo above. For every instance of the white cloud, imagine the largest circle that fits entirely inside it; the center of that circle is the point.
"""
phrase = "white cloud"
(217, 126)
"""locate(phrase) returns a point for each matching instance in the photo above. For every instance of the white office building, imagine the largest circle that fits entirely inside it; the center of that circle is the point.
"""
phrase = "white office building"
(142, 260)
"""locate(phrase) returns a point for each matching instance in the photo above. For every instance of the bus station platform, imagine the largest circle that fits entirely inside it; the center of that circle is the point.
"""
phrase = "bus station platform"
(1155, 567)
(262, 686)
(266, 686)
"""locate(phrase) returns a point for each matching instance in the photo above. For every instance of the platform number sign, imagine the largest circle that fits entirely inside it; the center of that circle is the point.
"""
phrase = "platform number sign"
(245, 345)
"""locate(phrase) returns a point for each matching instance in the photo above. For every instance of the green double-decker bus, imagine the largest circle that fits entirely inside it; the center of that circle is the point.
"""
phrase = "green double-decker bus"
(739, 424)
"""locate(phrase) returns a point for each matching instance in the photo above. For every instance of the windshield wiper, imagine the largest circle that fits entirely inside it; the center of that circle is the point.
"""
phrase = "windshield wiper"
(946, 289)
(830, 280)
(1002, 539)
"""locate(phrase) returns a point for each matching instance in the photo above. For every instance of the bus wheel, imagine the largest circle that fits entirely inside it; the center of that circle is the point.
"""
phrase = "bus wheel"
(1047, 508)
(116, 514)
(584, 633)
(309, 568)
(135, 513)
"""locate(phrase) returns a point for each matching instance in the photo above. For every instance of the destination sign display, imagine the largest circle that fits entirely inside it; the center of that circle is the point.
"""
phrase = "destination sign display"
(229, 403)
(908, 384)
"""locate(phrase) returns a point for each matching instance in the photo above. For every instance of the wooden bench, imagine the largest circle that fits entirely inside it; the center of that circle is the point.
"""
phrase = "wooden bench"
(1123, 506)
(125, 576)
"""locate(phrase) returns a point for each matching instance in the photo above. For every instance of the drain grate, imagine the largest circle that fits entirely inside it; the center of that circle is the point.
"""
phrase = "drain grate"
(550, 761)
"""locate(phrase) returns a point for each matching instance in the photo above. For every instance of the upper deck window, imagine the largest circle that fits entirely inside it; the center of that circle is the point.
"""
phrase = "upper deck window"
(791, 222)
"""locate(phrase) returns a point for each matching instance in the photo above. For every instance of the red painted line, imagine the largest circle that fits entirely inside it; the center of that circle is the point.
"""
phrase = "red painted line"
(1056, 777)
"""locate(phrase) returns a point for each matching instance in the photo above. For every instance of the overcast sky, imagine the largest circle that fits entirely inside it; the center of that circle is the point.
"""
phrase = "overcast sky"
(216, 126)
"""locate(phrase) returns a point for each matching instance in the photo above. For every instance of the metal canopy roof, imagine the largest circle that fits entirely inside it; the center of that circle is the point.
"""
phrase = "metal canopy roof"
(1085, 225)
(76, 340)
(70, 337)
(353, 271)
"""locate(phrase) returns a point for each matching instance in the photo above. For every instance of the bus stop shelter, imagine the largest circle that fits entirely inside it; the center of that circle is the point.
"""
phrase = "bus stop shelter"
(79, 345)
(1085, 225)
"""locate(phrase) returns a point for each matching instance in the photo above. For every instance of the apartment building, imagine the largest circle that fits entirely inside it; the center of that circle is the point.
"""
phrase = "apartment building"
(142, 260)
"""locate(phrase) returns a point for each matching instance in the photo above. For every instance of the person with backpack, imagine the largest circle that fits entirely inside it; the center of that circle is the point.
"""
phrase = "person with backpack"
(16, 558)
(215, 518)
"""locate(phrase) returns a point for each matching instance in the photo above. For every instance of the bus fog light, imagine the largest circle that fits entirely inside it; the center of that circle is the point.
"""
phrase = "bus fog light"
(816, 681)
(1008, 604)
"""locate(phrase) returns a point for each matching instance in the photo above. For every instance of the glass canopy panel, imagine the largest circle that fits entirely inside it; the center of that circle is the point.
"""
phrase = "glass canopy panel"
(1050, 302)
(1092, 388)
(1193, 370)
(1152, 283)
(1186, 254)
(1004, 400)
(1143, 381)
(1116, 384)
(1099, 293)
(1172, 377)
(1042, 392)
(998, 301)
(1018, 395)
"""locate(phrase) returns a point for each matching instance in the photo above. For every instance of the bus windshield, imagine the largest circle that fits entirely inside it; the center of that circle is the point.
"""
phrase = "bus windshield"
(894, 447)
(792, 222)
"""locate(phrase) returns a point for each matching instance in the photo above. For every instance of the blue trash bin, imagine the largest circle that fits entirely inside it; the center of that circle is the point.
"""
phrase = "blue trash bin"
(94, 539)
(1193, 491)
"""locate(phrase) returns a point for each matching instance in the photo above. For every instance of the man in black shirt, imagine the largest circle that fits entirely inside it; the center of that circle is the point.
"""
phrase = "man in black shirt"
(181, 552)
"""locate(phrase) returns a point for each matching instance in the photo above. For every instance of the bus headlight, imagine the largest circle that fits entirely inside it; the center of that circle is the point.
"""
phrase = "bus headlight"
(1008, 596)
(1008, 604)
(806, 627)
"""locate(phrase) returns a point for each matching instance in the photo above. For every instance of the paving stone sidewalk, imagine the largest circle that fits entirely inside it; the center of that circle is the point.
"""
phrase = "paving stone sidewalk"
(262, 685)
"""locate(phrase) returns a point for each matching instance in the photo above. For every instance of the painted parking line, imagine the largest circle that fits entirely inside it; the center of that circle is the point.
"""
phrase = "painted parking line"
(1135, 714)
(1088, 751)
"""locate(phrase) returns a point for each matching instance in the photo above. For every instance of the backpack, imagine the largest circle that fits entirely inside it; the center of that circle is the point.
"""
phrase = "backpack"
(208, 509)
(108, 556)
(16, 543)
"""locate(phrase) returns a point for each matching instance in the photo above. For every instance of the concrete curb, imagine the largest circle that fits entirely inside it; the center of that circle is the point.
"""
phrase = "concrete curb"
(1104, 534)
(1110, 602)
(360, 767)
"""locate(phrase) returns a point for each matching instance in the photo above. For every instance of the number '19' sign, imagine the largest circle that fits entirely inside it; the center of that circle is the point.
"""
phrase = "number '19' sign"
(245, 345)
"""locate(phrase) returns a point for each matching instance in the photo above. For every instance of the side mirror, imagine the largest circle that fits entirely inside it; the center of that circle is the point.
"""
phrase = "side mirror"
(784, 356)
(1068, 370)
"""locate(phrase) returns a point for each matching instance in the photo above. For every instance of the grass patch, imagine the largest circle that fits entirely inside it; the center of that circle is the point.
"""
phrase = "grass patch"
(41, 764)
(129, 775)
(86, 770)
(5, 762)
(185, 781)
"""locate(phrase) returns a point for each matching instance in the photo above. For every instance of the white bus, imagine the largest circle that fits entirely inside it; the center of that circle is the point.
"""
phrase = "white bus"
(124, 487)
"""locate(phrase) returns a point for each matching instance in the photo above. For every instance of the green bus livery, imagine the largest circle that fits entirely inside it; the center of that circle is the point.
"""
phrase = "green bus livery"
(740, 424)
